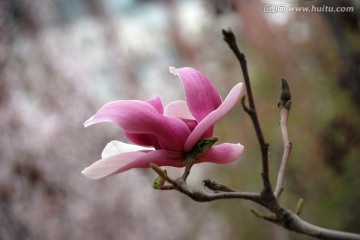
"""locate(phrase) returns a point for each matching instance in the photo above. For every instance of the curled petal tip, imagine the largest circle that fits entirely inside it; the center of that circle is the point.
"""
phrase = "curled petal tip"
(241, 147)
(89, 174)
(173, 71)
(240, 86)
(89, 122)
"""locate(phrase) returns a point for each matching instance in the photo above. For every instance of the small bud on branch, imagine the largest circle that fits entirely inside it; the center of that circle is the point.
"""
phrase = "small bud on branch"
(159, 171)
(285, 95)
(299, 206)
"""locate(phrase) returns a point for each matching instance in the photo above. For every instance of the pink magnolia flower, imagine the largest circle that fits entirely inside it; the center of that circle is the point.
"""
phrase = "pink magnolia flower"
(164, 135)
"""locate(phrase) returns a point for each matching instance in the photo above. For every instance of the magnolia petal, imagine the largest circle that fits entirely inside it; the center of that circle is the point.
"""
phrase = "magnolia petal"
(190, 123)
(200, 93)
(107, 166)
(221, 154)
(181, 110)
(142, 118)
(159, 157)
(178, 109)
(124, 161)
(116, 147)
(147, 139)
(157, 104)
(213, 117)
(143, 139)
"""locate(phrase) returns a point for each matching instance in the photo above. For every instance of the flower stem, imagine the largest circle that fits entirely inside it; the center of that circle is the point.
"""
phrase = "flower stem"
(189, 162)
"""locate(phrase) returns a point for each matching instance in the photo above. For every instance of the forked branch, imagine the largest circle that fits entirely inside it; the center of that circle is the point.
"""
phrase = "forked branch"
(267, 198)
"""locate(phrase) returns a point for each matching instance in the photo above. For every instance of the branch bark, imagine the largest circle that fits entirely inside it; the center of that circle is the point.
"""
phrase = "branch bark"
(299, 225)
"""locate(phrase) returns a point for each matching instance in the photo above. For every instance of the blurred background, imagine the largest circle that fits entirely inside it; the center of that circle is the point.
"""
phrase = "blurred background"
(61, 60)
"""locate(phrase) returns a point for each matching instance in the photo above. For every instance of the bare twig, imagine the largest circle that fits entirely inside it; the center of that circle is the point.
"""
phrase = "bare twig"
(229, 37)
(284, 108)
(200, 196)
(217, 187)
(298, 225)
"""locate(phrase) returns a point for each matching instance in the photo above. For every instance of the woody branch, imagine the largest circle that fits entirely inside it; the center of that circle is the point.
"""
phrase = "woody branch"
(286, 218)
